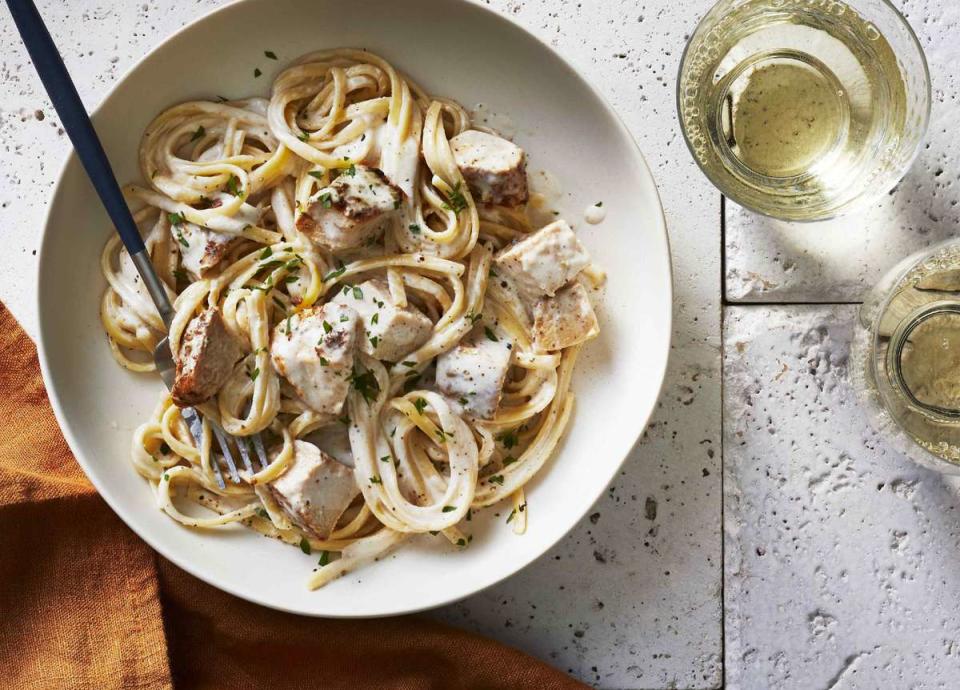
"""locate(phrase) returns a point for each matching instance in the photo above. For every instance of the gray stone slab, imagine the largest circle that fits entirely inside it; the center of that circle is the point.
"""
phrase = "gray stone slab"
(842, 558)
(839, 260)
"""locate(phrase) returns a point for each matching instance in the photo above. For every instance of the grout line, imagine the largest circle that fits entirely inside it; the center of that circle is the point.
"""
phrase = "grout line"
(727, 303)
(723, 251)
(723, 553)
(723, 531)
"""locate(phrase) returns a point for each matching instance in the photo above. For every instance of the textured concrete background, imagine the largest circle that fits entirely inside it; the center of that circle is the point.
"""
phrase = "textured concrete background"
(840, 563)
(632, 597)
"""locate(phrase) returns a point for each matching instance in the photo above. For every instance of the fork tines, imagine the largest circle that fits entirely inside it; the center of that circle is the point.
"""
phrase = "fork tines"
(223, 440)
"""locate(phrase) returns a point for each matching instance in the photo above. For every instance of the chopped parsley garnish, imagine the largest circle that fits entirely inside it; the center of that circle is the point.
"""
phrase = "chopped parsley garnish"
(448, 509)
(374, 340)
(409, 364)
(180, 274)
(198, 134)
(316, 174)
(420, 404)
(490, 334)
(166, 477)
(366, 384)
(474, 317)
(508, 439)
(327, 326)
(495, 479)
(273, 56)
(305, 545)
(461, 542)
(375, 318)
(324, 558)
(263, 513)
(357, 293)
(469, 514)
(344, 318)
(509, 460)
(180, 237)
(175, 218)
(513, 514)
(463, 401)
(270, 265)
(291, 279)
(233, 186)
(352, 170)
(324, 362)
(256, 72)
(256, 372)
(303, 136)
(414, 228)
(266, 253)
(375, 480)
(396, 203)
(386, 458)
(441, 435)
(164, 448)
(325, 200)
(456, 202)
(335, 274)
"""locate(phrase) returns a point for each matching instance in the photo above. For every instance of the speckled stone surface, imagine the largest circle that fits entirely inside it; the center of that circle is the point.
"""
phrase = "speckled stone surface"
(842, 561)
(839, 260)
(632, 597)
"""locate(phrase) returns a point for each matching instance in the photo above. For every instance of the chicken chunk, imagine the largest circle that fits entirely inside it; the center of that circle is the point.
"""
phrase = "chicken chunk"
(494, 168)
(565, 319)
(353, 209)
(200, 249)
(315, 490)
(472, 373)
(544, 261)
(207, 355)
(316, 354)
(389, 332)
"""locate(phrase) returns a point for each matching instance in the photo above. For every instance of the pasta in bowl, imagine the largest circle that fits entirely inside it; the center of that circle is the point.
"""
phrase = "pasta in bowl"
(354, 265)
(577, 155)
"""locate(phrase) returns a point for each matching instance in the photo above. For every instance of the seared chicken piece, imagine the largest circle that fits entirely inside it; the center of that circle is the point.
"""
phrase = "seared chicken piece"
(494, 168)
(389, 332)
(544, 261)
(200, 249)
(563, 320)
(208, 352)
(316, 354)
(315, 490)
(472, 373)
(353, 209)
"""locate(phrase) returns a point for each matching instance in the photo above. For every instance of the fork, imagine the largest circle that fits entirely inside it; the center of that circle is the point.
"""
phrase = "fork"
(56, 80)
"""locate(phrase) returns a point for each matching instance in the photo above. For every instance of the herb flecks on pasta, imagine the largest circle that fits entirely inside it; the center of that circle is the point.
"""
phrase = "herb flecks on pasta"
(357, 279)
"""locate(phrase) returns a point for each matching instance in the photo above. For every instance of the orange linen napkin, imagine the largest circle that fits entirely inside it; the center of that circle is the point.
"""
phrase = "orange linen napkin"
(84, 604)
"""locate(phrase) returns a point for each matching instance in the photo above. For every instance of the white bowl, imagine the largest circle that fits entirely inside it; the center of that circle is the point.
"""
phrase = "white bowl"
(453, 48)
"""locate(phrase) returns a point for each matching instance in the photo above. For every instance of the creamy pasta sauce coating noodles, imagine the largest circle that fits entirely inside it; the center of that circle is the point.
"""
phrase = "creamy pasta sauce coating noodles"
(357, 279)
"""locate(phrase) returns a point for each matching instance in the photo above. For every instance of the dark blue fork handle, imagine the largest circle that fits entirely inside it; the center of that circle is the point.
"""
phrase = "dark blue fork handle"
(56, 80)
